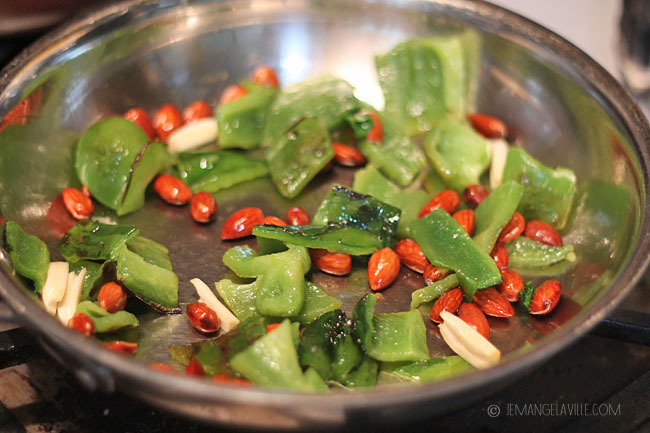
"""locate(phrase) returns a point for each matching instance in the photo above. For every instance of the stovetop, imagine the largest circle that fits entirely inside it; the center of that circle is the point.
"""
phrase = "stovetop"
(599, 384)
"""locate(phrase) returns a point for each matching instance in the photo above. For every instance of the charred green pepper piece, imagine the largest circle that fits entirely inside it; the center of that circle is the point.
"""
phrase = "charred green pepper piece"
(217, 170)
(298, 155)
(344, 206)
(429, 370)
(390, 336)
(333, 237)
(105, 321)
(433, 291)
(29, 254)
(92, 240)
(548, 193)
(370, 181)
(527, 253)
(494, 213)
(447, 244)
(241, 122)
(457, 152)
(328, 98)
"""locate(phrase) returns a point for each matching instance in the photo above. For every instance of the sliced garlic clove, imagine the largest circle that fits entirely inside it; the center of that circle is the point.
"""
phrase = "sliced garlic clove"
(499, 155)
(467, 342)
(194, 134)
(55, 285)
(68, 305)
(207, 296)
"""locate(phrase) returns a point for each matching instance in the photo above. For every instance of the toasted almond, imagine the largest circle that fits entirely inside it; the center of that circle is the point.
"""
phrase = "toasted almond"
(493, 303)
(348, 155)
(500, 256)
(434, 273)
(448, 301)
(488, 126)
(411, 255)
(448, 199)
(474, 317)
(546, 297)
(541, 232)
(383, 268)
(466, 219)
(513, 229)
(473, 195)
(240, 224)
(511, 284)
(207, 296)
(331, 263)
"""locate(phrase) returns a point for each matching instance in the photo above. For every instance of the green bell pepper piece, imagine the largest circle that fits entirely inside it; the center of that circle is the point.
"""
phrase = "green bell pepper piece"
(93, 279)
(314, 380)
(397, 156)
(457, 152)
(361, 123)
(370, 181)
(390, 336)
(247, 263)
(217, 170)
(105, 321)
(317, 303)
(430, 370)
(298, 155)
(153, 252)
(527, 253)
(207, 353)
(447, 244)
(433, 183)
(433, 291)
(328, 98)
(335, 238)
(240, 298)
(346, 207)
(92, 240)
(548, 193)
(29, 254)
(241, 122)
(494, 213)
(154, 285)
(272, 361)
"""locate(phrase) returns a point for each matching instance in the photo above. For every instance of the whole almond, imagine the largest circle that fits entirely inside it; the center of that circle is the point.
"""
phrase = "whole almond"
(513, 229)
(273, 221)
(488, 126)
(203, 206)
(546, 297)
(347, 155)
(511, 284)
(500, 256)
(474, 195)
(78, 204)
(466, 219)
(331, 263)
(297, 216)
(383, 268)
(493, 303)
(111, 297)
(240, 224)
(541, 232)
(448, 301)
(448, 199)
(172, 189)
(474, 317)
(434, 273)
(194, 368)
(411, 255)
(119, 346)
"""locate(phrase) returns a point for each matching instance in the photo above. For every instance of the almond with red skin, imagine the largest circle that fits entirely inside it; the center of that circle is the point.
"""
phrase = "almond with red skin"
(194, 368)
(273, 221)
(202, 317)
(140, 117)
(83, 324)
(79, 205)
(513, 229)
(474, 195)
(493, 303)
(232, 93)
(466, 219)
(546, 297)
(86, 191)
(172, 189)
(347, 155)
(411, 255)
(203, 206)
(331, 263)
(448, 301)
(434, 273)
(541, 232)
(240, 224)
(266, 76)
(488, 126)
(500, 256)
(125, 347)
(447, 199)
(383, 268)
(474, 317)
(222, 378)
(162, 367)
(196, 110)
(111, 297)
(2, 220)
(297, 216)
(511, 284)
(167, 120)
(377, 132)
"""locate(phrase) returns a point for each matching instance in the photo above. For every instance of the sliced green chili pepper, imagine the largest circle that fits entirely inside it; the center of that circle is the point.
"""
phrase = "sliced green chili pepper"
(29, 254)
(333, 237)
(494, 213)
(241, 122)
(430, 370)
(370, 181)
(390, 336)
(548, 193)
(298, 155)
(105, 321)
(527, 253)
(457, 152)
(433, 291)
(92, 240)
(447, 244)
(344, 206)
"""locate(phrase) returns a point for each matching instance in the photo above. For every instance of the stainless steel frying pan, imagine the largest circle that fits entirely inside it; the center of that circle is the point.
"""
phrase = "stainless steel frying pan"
(561, 106)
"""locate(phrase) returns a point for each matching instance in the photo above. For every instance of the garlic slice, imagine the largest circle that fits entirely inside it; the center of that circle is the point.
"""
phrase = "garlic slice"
(499, 155)
(68, 305)
(55, 285)
(207, 296)
(467, 342)
(194, 134)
